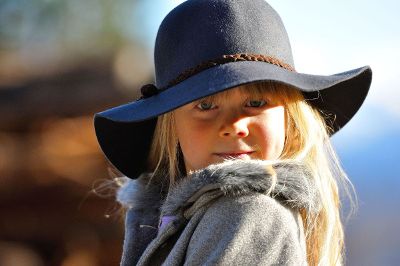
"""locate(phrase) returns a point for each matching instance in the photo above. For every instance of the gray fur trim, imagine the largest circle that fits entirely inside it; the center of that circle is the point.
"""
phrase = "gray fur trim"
(140, 194)
(294, 185)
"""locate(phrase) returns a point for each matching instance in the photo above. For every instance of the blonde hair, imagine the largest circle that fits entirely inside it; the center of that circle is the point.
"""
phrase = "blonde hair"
(307, 139)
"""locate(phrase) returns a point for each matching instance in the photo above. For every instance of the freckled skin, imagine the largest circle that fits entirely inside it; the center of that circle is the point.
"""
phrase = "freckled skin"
(232, 127)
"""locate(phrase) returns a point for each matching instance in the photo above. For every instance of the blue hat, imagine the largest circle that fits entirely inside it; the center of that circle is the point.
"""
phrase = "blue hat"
(207, 46)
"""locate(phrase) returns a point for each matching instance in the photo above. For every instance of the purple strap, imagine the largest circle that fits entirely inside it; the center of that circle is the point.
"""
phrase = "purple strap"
(165, 220)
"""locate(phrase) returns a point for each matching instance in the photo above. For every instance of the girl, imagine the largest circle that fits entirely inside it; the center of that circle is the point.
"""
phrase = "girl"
(228, 154)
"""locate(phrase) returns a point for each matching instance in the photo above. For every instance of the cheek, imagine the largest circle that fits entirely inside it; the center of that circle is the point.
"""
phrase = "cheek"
(272, 134)
(190, 136)
(194, 140)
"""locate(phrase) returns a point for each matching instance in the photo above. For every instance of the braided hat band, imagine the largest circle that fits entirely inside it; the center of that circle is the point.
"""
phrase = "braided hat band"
(149, 90)
(227, 59)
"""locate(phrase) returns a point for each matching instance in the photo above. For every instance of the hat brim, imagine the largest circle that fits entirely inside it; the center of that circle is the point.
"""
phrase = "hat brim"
(125, 132)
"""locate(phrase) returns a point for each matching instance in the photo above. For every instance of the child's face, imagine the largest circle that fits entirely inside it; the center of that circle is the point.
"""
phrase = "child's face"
(234, 125)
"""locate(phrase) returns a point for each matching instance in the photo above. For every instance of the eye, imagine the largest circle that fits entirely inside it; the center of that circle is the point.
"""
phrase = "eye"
(255, 103)
(204, 106)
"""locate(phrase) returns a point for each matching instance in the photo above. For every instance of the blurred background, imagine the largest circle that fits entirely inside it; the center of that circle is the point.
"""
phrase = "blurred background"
(61, 61)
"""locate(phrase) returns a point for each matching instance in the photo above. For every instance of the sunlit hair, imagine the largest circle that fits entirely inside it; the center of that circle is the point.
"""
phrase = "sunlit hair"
(307, 140)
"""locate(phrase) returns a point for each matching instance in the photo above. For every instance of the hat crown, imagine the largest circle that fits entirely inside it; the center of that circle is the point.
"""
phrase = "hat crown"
(201, 30)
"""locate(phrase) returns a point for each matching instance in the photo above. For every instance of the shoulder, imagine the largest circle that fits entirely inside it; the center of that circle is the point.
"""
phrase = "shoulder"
(257, 212)
(250, 229)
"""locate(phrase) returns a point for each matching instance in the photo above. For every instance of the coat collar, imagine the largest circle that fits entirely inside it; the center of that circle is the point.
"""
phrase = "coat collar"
(289, 182)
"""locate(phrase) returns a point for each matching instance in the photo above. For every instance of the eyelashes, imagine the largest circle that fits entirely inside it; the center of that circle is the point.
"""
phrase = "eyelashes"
(206, 105)
(256, 103)
(209, 105)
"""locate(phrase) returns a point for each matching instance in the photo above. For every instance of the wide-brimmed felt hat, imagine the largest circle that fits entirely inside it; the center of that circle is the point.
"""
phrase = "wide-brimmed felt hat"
(207, 46)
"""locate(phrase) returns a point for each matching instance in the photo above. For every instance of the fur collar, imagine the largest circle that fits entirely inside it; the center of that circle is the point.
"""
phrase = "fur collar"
(289, 182)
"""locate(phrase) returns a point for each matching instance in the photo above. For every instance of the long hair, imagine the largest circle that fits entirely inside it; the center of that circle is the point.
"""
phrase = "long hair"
(307, 140)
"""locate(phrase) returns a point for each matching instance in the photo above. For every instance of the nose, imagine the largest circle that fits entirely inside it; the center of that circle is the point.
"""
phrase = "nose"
(238, 128)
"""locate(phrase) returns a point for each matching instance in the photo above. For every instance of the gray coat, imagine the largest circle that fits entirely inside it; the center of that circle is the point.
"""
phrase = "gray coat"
(225, 214)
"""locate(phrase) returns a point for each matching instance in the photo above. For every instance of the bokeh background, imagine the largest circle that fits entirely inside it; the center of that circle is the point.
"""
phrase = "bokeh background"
(63, 60)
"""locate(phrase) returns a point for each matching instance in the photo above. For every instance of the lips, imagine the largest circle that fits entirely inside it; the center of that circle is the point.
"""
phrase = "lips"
(235, 155)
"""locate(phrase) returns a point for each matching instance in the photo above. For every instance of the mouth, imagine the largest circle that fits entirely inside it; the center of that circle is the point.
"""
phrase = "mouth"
(235, 155)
